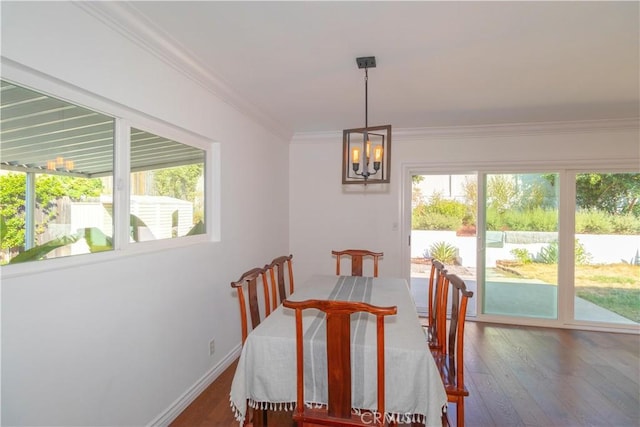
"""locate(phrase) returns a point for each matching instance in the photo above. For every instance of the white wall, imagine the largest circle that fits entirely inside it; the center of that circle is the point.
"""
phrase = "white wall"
(324, 216)
(118, 342)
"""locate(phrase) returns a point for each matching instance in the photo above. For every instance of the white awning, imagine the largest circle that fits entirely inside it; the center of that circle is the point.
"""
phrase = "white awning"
(36, 129)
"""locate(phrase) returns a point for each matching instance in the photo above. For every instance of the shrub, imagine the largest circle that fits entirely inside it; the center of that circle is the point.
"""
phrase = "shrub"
(635, 260)
(435, 222)
(537, 219)
(438, 214)
(442, 214)
(522, 255)
(625, 224)
(417, 217)
(593, 222)
(542, 219)
(581, 254)
(549, 254)
(444, 252)
(493, 220)
(448, 207)
(513, 220)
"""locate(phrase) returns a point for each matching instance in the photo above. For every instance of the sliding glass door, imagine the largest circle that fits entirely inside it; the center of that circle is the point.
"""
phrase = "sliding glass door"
(521, 245)
(607, 248)
(556, 247)
(443, 226)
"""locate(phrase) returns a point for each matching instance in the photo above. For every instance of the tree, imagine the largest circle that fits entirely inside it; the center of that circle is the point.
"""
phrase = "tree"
(416, 192)
(501, 193)
(470, 191)
(12, 200)
(48, 188)
(417, 179)
(180, 182)
(614, 193)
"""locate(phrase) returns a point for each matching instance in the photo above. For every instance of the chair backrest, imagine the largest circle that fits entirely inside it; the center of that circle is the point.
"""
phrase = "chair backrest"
(338, 324)
(248, 283)
(357, 256)
(455, 340)
(279, 279)
(437, 273)
(437, 305)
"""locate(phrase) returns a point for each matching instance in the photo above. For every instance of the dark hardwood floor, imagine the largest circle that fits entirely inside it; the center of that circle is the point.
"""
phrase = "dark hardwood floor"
(517, 376)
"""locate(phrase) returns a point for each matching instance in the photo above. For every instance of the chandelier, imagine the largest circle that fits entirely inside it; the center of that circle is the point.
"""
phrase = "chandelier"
(358, 145)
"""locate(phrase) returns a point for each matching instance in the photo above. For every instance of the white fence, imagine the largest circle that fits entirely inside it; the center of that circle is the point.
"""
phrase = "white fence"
(604, 249)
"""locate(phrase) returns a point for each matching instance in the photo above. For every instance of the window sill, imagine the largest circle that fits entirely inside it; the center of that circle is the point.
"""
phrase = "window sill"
(132, 249)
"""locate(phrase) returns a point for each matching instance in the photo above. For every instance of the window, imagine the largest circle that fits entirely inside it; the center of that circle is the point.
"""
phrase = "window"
(57, 179)
(167, 200)
(56, 172)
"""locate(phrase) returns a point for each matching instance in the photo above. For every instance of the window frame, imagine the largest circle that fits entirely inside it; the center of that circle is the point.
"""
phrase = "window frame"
(125, 118)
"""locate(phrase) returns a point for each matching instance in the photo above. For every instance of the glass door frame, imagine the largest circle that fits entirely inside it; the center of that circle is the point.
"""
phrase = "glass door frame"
(568, 255)
(566, 230)
(535, 316)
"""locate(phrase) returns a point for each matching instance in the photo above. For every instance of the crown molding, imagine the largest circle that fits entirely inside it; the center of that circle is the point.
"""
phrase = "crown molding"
(486, 131)
(129, 22)
(518, 129)
(317, 137)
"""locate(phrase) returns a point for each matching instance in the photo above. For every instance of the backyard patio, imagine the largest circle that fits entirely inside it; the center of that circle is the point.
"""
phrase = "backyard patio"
(510, 296)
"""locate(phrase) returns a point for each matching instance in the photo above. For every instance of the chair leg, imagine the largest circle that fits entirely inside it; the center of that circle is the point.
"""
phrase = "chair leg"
(460, 412)
(445, 418)
(259, 418)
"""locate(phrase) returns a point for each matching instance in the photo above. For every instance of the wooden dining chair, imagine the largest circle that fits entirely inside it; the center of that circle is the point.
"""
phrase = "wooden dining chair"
(450, 362)
(338, 411)
(279, 279)
(247, 288)
(357, 256)
(437, 305)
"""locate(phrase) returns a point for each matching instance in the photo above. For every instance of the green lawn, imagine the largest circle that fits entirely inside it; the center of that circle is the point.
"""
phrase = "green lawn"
(615, 287)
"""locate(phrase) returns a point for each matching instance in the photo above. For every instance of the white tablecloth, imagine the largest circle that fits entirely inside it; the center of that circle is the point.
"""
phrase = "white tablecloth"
(266, 371)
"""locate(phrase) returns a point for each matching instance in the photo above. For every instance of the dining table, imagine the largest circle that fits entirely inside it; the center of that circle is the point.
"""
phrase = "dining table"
(265, 377)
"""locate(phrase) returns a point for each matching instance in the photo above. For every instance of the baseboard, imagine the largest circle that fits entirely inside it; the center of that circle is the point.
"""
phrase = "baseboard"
(176, 408)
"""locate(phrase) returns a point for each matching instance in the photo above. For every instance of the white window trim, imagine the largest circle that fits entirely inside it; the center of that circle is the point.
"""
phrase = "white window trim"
(125, 119)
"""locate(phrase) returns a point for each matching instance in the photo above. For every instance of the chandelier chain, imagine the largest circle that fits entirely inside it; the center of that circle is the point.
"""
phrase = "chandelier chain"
(366, 99)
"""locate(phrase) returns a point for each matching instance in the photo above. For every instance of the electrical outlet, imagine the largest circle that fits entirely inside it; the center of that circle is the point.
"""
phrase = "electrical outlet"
(212, 347)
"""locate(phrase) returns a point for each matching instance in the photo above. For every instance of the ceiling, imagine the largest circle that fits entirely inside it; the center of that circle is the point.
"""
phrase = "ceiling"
(438, 63)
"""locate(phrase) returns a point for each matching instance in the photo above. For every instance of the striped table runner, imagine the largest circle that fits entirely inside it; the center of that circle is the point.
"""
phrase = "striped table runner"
(266, 374)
